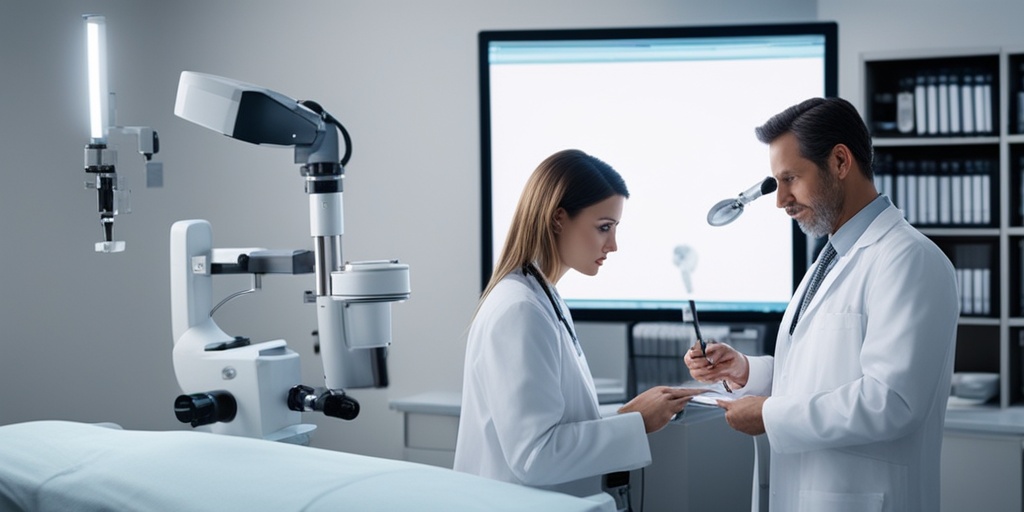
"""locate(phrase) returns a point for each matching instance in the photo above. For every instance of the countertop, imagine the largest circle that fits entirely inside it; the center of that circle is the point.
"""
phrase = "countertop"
(988, 418)
(960, 416)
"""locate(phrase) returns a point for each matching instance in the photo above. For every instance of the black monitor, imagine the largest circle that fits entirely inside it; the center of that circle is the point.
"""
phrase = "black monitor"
(673, 109)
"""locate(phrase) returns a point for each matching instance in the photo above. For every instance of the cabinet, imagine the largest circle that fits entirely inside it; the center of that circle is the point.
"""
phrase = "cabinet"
(981, 471)
(948, 132)
(698, 462)
(983, 459)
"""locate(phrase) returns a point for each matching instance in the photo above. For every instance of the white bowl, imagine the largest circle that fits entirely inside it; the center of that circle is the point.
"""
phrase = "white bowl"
(975, 385)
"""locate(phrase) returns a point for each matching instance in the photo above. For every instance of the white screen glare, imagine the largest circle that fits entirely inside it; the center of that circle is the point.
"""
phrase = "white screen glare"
(676, 119)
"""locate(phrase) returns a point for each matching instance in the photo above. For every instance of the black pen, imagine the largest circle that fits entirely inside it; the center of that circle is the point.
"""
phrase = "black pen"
(700, 338)
(696, 329)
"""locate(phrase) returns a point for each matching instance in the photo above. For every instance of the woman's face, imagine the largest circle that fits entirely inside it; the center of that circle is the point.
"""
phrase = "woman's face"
(585, 240)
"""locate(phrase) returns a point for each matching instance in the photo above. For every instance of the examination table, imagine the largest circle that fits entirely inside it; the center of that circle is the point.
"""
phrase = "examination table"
(69, 466)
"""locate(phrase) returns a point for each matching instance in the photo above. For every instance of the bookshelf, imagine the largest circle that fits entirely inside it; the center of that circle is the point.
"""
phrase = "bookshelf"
(948, 131)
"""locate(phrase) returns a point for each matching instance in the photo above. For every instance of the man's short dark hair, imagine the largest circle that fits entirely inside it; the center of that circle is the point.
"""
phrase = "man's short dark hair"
(819, 124)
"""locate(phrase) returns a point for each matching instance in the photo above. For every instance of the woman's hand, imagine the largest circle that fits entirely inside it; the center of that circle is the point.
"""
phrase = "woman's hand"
(659, 405)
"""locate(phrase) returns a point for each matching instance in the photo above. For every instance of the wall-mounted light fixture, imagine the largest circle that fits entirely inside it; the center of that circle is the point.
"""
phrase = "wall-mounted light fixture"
(101, 161)
(96, 55)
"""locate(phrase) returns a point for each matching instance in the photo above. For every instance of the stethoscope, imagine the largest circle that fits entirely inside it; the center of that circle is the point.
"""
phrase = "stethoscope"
(528, 268)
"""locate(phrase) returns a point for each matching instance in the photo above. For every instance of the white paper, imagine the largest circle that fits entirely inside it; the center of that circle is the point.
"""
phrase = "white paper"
(714, 393)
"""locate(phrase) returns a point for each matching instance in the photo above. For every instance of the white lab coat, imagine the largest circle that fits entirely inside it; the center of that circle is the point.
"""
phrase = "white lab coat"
(858, 393)
(529, 405)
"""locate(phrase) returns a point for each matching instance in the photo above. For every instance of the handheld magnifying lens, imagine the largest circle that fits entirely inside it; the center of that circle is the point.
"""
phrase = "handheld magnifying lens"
(727, 210)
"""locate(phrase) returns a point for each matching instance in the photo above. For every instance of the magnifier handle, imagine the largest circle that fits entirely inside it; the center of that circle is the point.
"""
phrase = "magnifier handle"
(765, 186)
(750, 194)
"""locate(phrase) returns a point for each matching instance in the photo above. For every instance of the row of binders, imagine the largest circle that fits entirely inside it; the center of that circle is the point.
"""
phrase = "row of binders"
(1021, 282)
(1020, 245)
(975, 291)
(938, 192)
(1020, 170)
(946, 102)
(973, 264)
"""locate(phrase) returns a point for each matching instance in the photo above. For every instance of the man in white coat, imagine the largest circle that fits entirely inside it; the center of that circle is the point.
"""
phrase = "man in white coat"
(854, 399)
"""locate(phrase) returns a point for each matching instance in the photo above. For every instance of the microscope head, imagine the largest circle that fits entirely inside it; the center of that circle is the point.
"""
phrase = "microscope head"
(252, 114)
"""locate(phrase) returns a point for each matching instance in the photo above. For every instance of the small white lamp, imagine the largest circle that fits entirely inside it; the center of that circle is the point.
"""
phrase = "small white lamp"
(96, 48)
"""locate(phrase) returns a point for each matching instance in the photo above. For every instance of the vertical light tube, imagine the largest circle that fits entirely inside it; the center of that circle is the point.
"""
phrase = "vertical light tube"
(96, 45)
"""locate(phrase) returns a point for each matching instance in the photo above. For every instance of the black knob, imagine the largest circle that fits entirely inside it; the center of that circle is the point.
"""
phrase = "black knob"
(340, 405)
(205, 408)
(331, 402)
(300, 398)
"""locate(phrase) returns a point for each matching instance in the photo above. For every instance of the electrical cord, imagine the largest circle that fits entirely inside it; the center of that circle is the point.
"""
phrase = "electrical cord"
(257, 284)
(326, 116)
(642, 489)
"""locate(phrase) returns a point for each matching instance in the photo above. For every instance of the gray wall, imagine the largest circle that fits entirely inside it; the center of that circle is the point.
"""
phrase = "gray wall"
(86, 336)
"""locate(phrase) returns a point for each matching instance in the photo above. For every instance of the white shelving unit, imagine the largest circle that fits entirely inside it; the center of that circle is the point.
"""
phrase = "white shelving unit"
(987, 339)
(983, 448)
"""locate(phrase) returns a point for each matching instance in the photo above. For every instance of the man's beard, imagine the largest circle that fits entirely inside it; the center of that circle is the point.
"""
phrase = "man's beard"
(826, 206)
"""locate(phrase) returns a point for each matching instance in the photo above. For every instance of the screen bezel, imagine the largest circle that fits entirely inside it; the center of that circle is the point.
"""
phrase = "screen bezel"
(829, 30)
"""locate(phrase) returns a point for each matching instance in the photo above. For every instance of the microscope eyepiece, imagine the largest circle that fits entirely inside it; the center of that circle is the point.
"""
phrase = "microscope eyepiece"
(205, 408)
(331, 402)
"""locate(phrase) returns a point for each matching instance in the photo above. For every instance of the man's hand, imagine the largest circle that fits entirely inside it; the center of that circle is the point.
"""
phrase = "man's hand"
(722, 363)
(744, 414)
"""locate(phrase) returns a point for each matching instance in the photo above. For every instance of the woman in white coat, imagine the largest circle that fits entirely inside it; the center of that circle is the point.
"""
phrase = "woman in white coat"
(854, 399)
(529, 405)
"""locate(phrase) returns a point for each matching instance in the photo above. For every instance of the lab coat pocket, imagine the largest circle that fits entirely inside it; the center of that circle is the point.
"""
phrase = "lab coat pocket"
(830, 337)
(818, 501)
(841, 322)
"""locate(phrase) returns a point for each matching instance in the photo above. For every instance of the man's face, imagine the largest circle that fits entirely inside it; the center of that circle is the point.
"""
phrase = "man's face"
(811, 196)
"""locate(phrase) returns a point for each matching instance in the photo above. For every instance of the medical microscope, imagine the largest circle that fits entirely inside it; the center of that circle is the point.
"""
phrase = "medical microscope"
(253, 389)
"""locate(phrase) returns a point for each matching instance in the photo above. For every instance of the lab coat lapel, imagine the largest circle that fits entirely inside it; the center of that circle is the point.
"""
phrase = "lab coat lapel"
(568, 345)
(882, 224)
(823, 288)
(794, 303)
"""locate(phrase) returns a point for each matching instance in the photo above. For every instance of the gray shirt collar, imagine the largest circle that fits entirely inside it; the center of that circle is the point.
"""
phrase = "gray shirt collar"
(843, 240)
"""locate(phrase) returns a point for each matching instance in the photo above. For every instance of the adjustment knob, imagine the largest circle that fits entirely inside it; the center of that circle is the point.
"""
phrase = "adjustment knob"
(340, 406)
(205, 408)
(331, 402)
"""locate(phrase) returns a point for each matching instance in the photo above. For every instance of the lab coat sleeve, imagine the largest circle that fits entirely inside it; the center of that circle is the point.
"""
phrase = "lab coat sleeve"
(540, 444)
(759, 379)
(910, 312)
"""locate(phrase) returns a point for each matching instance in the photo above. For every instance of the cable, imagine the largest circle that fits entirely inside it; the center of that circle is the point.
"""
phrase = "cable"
(344, 134)
(643, 490)
(257, 284)
(326, 116)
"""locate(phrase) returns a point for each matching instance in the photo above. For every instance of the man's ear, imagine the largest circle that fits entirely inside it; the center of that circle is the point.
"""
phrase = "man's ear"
(842, 159)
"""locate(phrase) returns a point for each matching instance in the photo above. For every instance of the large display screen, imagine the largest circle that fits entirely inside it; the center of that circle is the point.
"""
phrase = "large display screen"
(673, 110)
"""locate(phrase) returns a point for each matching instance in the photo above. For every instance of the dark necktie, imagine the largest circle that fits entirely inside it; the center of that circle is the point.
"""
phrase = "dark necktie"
(828, 254)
